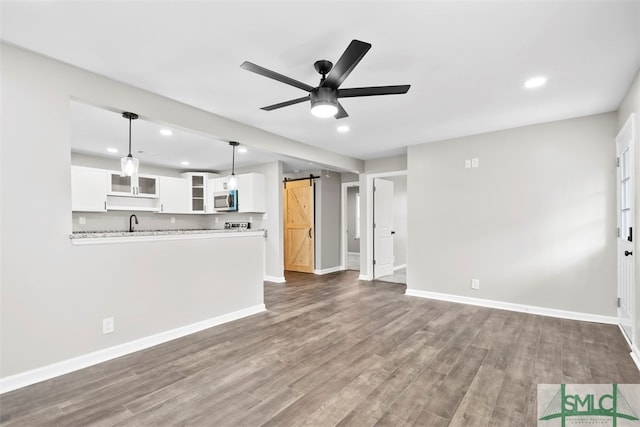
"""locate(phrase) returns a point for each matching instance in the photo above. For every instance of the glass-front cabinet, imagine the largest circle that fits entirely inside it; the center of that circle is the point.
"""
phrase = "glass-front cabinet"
(137, 186)
(197, 191)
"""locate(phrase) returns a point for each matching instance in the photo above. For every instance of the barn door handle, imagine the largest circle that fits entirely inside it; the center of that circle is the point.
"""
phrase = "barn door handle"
(627, 253)
(310, 233)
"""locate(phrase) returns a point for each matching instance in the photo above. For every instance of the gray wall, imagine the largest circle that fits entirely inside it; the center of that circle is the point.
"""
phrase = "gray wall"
(631, 104)
(329, 221)
(535, 222)
(50, 298)
(353, 244)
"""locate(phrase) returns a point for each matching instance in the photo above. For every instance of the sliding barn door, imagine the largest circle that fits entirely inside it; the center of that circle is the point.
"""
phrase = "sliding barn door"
(299, 226)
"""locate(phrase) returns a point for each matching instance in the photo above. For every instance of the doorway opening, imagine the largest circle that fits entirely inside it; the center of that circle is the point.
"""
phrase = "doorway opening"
(351, 226)
(390, 228)
(625, 142)
(299, 225)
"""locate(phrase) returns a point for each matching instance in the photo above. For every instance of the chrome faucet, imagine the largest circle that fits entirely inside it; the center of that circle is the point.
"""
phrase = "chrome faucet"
(131, 224)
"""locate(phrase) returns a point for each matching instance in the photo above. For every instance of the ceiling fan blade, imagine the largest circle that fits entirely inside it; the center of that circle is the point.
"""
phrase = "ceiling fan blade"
(285, 104)
(347, 62)
(341, 114)
(249, 66)
(373, 91)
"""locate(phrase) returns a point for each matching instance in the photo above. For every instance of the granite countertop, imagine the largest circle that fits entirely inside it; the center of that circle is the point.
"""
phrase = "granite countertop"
(142, 233)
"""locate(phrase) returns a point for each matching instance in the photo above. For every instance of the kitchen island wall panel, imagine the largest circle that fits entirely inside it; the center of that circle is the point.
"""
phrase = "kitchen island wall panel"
(54, 295)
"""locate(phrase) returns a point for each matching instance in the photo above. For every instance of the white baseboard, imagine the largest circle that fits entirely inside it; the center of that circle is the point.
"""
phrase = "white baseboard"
(542, 311)
(398, 267)
(364, 277)
(37, 375)
(274, 279)
(328, 270)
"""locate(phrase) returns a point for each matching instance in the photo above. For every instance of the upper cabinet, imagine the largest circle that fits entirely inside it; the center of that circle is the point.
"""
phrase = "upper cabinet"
(136, 186)
(251, 193)
(88, 189)
(199, 199)
(99, 190)
(174, 195)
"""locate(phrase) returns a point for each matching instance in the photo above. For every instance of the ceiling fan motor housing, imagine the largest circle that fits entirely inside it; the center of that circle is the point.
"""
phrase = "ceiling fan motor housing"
(324, 95)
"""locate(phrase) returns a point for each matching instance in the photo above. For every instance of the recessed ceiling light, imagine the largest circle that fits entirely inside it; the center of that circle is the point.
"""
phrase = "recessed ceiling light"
(166, 132)
(112, 150)
(535, 82)
(242, 150)
(185, 163)
(343, 128)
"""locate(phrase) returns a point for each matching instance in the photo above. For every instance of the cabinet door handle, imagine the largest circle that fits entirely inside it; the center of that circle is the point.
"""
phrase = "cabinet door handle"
(310, 234)
(105, 205)
(162, 207)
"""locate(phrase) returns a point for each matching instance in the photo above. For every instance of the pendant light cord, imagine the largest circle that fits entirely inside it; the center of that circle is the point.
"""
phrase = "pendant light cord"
(130, 136)
(233, 161)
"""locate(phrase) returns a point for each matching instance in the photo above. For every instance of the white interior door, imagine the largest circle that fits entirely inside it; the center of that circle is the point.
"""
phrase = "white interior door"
(382, 227)
(626, 235)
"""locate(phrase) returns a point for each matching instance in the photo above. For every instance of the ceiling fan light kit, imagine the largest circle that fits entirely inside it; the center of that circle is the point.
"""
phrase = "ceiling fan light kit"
(324, 102)
(324, 97)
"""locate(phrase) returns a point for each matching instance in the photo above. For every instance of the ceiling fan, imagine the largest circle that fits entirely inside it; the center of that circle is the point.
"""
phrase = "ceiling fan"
(324, 97)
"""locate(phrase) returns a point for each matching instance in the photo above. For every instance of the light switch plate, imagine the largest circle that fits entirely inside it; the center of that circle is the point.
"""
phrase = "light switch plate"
(475, 163)
(475, 284)
(467, 164)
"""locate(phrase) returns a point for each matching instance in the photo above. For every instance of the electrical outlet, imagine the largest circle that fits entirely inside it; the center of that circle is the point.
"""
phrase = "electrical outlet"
(264, 217)
(475, 284)
(467, 164)
(108, 325)
(173, 220)
(475, 163)
(217, 220)
(250, 219)
(82, 220)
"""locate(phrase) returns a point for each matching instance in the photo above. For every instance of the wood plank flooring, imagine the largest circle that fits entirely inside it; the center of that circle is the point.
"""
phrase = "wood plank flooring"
(332, 350)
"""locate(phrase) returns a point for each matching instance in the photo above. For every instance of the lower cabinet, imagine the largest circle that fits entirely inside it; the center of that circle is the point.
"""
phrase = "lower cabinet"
(88, 189)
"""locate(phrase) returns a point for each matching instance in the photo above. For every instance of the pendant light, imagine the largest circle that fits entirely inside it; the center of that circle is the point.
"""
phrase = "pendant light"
(233, 181)
(129, 164)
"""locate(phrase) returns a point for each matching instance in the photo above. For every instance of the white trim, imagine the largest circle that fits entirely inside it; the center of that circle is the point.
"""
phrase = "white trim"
(635, 353)
(343, 218)
(365, 277)
(329, 270)
(635, 356)
(398, 267)
(24, 379)
(542, 311)
(275, 279)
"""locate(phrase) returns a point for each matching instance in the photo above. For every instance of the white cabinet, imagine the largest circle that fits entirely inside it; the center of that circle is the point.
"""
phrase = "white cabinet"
(221, 184)
(174, 195)
(251, 193)
(199, 200)
(88, 189)
(133, 186)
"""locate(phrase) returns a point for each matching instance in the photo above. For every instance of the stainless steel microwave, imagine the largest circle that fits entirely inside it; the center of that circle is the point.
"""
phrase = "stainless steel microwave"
(225, 201)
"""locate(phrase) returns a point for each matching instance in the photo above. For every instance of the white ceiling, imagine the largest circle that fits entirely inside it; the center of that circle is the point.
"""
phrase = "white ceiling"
(466, 61)
(94, 130)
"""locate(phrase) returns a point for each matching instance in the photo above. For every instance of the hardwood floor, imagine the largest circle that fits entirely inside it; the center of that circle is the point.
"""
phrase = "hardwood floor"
(329, 351)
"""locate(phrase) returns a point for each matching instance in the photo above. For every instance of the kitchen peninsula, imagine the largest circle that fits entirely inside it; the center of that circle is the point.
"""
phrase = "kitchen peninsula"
(154, 286)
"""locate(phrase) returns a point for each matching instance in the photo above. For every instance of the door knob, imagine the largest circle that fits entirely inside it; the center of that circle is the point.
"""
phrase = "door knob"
(627, 253)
